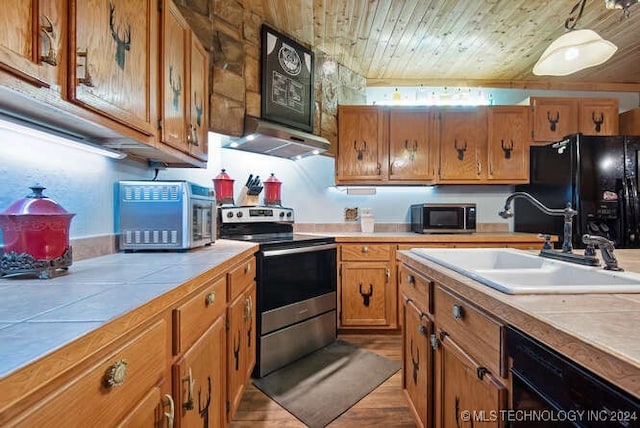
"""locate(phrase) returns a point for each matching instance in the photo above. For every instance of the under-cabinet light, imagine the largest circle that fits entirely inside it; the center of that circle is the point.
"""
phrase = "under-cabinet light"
(12, 124)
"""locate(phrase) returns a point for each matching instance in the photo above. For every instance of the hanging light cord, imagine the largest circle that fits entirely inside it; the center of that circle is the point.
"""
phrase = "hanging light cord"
(571, 21)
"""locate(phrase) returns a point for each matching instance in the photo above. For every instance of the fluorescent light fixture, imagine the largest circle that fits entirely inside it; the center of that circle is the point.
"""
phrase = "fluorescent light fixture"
(361, 191)
(572, 52)
(11, 124)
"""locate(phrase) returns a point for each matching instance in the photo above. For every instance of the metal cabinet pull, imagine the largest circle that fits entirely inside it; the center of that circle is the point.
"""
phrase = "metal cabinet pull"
(457, 312)
(83, 66)
(247, 268)
(170, 415)
(115, 374)
(365, 249)
(411, 279)
(48, 31)
(188, 405)
(387, 275)
(479, 167)
(248, 302)
(211, 297)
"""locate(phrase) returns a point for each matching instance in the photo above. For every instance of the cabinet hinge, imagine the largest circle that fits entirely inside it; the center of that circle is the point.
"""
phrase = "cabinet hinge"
(226, 324)
(160, 6)
(434, 341)
(159, 123)
(340, 271)
(481, 371)
(228, 406)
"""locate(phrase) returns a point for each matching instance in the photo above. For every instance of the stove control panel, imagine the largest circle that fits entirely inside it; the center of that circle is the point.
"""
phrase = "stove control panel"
(256, 215)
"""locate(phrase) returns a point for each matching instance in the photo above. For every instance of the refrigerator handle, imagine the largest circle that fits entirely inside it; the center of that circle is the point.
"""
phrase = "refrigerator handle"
(634, 209)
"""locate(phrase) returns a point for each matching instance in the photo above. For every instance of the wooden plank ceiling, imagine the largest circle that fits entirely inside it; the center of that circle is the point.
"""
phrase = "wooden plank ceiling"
(457, 42)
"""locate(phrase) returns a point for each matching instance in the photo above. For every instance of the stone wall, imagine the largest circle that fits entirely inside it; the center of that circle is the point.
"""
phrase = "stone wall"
(230, 30)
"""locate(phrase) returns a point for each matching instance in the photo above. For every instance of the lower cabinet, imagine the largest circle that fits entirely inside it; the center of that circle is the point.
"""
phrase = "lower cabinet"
(466, 394)
(368, 292)
(199, 380)
(107, 392)
(241, 346)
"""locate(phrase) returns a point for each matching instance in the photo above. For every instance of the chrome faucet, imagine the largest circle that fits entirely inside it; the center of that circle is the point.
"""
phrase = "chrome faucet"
(567, 213)
(606, 250)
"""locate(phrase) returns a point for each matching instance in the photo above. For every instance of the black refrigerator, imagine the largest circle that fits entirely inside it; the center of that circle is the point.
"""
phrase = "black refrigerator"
(598, 175)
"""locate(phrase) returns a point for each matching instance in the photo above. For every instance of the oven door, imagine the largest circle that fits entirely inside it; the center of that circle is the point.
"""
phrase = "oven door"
(291, 275)
(203, 218)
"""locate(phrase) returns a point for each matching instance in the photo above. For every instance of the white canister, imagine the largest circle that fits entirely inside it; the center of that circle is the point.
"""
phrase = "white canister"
(366, 221)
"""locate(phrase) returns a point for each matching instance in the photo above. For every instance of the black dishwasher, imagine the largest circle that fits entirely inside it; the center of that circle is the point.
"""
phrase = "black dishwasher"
(549, 390)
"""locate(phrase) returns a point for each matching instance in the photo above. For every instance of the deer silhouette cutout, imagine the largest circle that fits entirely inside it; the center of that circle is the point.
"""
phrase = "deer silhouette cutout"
(416, 364)
(360, 150)
(553, 122)
(460, 150)
(204, 410)
(236, 351)
(411, 151)
(599, 121)
(366, 297)
(507, 148)
(122, 43)
(176, 87)
(198, 109)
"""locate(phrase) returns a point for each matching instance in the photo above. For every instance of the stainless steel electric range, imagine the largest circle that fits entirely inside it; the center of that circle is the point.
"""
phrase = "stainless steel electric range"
(296, 282)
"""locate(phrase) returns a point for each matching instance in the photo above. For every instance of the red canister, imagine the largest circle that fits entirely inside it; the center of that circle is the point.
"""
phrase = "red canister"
(223, 185)
(272, 191)
(36, 236)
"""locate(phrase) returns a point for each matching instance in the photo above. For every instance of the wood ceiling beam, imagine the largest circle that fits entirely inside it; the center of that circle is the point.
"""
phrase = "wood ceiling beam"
(510, 84)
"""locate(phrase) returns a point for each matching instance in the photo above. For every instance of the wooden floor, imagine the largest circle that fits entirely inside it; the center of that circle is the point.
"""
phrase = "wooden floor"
(384, 407)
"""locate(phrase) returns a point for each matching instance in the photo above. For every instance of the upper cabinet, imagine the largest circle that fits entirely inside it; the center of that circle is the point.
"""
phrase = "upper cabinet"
(554, 118)
(113, 67)
(598, 116)
(32, 41)
(362, 151)
(412, 144)
(509, 138)
(185, 65)
(463, 140)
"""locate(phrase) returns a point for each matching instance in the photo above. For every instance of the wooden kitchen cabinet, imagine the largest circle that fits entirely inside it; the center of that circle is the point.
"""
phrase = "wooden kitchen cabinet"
(367, 289)
(413, 136)
(110, 389)
(463, 145)
(509, 138)
(199, 380)
(417, 353)
(33, 41)
(241, 332)
(184, 85)
(630, 122)
(463, 385)
(598, 116)
(555, 117)
(113, 66)
(362, 145)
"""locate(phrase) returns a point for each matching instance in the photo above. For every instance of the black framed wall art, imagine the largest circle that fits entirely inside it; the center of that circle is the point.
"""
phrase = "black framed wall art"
(287, 81)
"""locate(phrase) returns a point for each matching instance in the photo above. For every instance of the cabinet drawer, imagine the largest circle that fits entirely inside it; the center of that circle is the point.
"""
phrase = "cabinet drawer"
(417, 288)
(92, 399)
(192, 318)
(480, 335)
(240, 277)
(364, 252)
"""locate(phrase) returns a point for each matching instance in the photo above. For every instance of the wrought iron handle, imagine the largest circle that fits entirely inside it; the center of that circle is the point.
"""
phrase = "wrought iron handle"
(457, 311)
(170, 415)
(188, 405)
(83, 63)
(115, 374)
(211, 297)
(47, 29)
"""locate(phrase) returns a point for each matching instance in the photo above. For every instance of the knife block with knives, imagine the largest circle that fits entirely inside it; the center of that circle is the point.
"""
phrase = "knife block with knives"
(250, 193)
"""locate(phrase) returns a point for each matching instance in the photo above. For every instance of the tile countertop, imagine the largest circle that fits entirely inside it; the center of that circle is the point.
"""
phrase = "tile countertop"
(599, 331)
(38, 316)
(402, 237)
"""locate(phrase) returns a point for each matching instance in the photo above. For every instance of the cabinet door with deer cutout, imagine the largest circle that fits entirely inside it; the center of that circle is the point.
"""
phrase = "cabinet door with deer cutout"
(112, 67)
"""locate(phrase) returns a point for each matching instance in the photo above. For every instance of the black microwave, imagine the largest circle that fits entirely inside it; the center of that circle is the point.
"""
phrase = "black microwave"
(443, 218)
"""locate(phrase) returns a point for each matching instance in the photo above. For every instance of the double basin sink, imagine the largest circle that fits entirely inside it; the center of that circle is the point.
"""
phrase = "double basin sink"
(513, 271)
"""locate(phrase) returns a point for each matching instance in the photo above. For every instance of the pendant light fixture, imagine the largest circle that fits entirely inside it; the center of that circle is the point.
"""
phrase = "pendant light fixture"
(575, 50)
